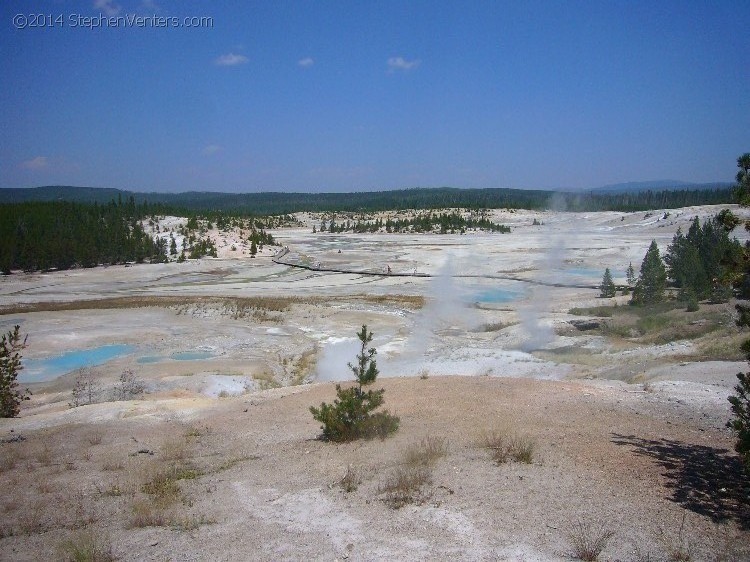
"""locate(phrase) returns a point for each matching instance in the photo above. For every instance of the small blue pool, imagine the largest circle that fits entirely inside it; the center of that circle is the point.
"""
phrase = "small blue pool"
(583, 271)
(38, 370)
(192, 355)
(496, 295)
(150, 359)
(177, 356)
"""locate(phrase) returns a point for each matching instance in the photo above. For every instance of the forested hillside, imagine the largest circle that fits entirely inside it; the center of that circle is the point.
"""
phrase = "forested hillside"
(45, 235)
(276, 203)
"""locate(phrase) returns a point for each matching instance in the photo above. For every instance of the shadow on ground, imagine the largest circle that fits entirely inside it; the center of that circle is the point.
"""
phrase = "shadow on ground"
(706, 480)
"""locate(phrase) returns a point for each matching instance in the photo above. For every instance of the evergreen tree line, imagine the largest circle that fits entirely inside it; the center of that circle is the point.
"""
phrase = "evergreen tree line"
(266, 204)
(60, 235)
(427, 222)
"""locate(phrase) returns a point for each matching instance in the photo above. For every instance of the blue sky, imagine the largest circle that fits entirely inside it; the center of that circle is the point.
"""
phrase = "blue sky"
(345, 96)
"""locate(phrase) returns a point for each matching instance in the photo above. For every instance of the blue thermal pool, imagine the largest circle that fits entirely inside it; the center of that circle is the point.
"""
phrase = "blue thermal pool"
(496, 295)
(37, 370)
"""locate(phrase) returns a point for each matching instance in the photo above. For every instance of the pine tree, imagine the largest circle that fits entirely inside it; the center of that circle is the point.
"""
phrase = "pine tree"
(350, 416)
(630, 274)
(253, 248)
(741, 400)
(741, 422)
(11, 395)
(742, 191)
(705, 261)
(649, 289)
(607, 287)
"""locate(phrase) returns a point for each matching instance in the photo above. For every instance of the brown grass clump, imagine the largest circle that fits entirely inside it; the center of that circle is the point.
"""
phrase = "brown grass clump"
(174, 450)
(95, 437)
(146, 514)
(30, 519)
(163, 487)
(588, 540)
(351, 480)
(44, 455)
(406, 483)
(426, 452)
(504, 448)
(86, 546)
(404, 486)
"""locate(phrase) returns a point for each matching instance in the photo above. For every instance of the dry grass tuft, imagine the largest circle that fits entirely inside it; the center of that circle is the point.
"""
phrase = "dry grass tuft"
(95, 437)
(304, 366)
(404, 486)
(589, 540)
(146, 514)
(193, 431)
(426, 452)
(7, 462)
(232, 462)
(351, 480)
(44, 455)
(113, 465)
(86, 546)
(506, 448)
(174, 450)
(30, 519)
(678, 548)
(406, 483)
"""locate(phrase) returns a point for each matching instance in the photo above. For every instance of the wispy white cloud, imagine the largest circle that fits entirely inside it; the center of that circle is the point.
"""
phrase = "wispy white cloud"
(107, 7)
(38, 163)
(231, 59)
(211, 149)
(306, 62)
(400, 63)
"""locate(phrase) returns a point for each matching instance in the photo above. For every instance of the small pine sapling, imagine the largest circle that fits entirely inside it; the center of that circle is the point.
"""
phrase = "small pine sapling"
(351, 415)
(11, 395)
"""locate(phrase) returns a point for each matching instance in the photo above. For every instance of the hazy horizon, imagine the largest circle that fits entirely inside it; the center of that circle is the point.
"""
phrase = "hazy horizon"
(324, 97)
